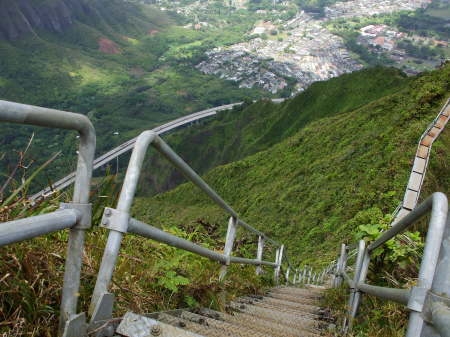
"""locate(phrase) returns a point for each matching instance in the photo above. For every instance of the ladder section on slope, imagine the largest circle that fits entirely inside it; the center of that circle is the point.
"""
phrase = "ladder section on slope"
(283, 312)
(421, 159)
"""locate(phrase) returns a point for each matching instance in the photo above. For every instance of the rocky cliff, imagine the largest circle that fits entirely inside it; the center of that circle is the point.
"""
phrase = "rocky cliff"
(25, 16)
(22, 17)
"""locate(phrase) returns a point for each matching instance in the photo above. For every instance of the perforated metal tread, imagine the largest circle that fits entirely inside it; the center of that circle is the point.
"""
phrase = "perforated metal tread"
(306, 308)
(285, 306)
(263, 325)
(284, 312)
(288, 319)
(207, 326)
(300, 298)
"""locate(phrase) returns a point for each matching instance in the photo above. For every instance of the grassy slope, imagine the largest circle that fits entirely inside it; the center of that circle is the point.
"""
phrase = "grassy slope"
(308, 189)
(303, 190)
(244, 131)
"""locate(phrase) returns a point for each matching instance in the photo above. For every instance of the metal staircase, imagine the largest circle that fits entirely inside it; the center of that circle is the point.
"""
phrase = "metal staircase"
(283, 312)
(421, 159)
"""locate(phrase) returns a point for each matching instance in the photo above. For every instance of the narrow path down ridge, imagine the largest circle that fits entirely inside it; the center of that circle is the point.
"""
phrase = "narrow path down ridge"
(282, 312)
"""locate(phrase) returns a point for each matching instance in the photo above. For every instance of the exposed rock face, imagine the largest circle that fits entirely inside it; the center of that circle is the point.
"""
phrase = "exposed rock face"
(20, 17)
(107, 46)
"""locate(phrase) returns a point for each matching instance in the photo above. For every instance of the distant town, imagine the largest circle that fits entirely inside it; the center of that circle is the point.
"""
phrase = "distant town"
(348, 9)
(299, 51)
(399, 46)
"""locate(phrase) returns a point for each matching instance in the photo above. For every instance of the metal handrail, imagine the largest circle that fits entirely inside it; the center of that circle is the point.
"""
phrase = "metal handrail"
(77, 215)
(432, 278)
(119, 223)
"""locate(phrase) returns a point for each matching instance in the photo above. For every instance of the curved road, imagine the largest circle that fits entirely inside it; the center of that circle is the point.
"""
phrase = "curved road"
(128, 145)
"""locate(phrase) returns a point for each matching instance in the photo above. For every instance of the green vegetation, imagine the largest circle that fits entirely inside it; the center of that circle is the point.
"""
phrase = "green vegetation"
(340, 160)
(144, 76)
(336, 179)
(246, 130)
(432, 22)
(326, 166)
(320, 181)
(425, 42)
(148, 277)
(315, 7)
(349, 28)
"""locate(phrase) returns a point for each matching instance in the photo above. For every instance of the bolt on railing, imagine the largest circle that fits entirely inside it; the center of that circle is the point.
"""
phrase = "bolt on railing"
(428, 301)
(75, 215)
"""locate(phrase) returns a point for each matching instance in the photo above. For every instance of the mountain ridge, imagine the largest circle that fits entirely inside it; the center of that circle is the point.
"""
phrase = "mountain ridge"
(333, 175)
(27, 17)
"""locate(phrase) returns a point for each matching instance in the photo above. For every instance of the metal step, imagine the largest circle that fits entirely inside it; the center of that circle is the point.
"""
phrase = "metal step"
(299, 300)
(292, 320)
(261, 325)
(284, 312)
(284, 306)
(306, 308)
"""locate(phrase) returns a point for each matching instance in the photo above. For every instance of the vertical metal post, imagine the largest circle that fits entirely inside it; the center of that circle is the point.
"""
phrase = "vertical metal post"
(279, 259)
(259, 254)
(75, 247)
(305, 270)
(277, 254)
(294, 281)
(287, 275)
(441, 287)
(229, 242)
(340, 266)
(33, 115)
(309, 275)
(101, 302)
(433, 241)
(354, 293)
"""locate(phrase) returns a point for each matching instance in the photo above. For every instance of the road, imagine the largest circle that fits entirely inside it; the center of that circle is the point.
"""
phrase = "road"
(128, 145)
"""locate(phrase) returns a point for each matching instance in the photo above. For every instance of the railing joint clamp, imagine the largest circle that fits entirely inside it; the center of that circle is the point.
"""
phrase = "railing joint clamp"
(115, 220)
(227, 261)
(85, 210)
(432, 299)
(417, 299)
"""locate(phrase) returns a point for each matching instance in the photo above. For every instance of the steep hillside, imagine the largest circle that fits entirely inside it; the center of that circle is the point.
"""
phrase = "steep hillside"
(314, 188)
(25, 17)
(128, 66)
(253, 127)
(311, 190)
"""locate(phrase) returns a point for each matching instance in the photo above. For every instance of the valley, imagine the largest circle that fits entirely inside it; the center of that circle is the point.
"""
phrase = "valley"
(203, 54)
(326, 165)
